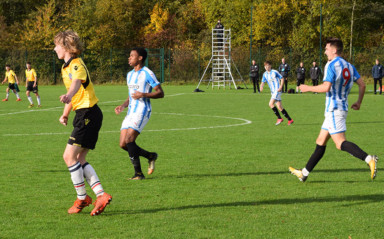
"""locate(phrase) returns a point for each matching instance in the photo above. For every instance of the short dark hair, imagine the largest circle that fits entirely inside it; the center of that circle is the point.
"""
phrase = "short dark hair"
(7, 65)
(267, 63)
(336, 42)
(142, 52)
(29, 63)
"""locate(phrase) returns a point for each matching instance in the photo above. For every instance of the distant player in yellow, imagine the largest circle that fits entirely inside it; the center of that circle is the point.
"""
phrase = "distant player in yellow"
(12, 79)
(31, 84)
(81, 98)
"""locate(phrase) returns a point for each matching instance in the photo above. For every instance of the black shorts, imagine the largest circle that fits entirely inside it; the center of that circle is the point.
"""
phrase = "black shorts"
(12, 86)
(300, 82)
(86, 127)
(31, 88)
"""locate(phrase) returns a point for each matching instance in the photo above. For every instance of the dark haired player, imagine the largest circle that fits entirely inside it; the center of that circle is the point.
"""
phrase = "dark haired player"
(31, 84)
(275, 82)
(140, 82)
(339, 76)
(12, 81)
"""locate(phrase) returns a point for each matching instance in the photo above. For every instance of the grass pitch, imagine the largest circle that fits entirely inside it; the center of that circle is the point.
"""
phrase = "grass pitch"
(222, 170)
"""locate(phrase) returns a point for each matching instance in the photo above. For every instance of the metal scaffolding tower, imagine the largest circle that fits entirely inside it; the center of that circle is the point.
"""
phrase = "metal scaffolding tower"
(221, 61)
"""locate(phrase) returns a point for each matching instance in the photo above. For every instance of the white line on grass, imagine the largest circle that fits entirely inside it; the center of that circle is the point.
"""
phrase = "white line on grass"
(244, 122)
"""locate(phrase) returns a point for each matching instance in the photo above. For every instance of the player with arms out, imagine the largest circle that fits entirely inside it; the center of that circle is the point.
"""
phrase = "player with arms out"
(31, 84)
(12, 81)
(81, 98)
(275, 82)
(339, 76)
(140, 82)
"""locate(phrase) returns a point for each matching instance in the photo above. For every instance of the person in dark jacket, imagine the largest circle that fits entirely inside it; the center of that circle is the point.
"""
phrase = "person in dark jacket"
(284, 69)
(220, 32)
(377, 74)
(254, 74)
(300, 74)
(315, 74)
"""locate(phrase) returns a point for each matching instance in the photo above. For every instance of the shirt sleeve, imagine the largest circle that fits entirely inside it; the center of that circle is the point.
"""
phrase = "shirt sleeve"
(78, 72)
(264, 79)
(329, 74)
(34, 73)
(278, 75)
(151, 79)
(356, 74)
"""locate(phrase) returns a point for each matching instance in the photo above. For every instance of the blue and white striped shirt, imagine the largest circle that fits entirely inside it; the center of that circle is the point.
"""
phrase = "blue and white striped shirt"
(341, 74)
(273, 79)
(143, 81)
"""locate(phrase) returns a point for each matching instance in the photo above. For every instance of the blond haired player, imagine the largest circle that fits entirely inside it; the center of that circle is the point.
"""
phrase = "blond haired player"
(81, 98)
(31, 84)
(12, 79)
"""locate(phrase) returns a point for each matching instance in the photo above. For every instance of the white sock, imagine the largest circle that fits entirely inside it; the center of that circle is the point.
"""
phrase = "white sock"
(30, 100)
(78, 180)
(17, 95)
(38, 100)
(305, 172)
(7, 96)
(92, 179)
(368, 159)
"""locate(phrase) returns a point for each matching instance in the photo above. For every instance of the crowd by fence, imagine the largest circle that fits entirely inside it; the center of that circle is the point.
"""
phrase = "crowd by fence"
(176, 66)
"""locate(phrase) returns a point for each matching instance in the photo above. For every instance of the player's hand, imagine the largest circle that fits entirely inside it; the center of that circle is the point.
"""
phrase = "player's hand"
(65, 99)
(119, 109)
(356, 106)
(304, 88)
(137, 95)
(63, 120)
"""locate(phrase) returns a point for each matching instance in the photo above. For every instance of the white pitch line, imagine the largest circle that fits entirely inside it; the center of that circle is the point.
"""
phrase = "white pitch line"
(245, 122)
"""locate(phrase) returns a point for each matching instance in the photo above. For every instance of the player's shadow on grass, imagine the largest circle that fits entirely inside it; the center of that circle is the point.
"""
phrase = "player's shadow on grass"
(350, 200)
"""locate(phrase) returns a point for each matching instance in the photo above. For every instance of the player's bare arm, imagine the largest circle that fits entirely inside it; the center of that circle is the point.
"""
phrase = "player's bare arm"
(17, 80)
(281, 84)
(120, 108)
(75, 86)
(64, 117)
(158, 93)
(325, 87)
(357, 104)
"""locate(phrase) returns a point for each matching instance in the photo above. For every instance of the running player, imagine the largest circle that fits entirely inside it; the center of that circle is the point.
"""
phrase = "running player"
(81, 98)
(275, 82)
(31, 84)
(140, 82)
(339, 76)
(12, 81)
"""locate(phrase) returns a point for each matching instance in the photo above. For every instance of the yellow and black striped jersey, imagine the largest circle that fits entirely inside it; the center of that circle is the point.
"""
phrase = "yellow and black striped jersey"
(30, 75)
(85, 96)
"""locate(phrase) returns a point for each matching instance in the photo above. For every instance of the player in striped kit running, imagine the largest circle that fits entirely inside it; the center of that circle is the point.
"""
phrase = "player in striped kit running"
(275, 82)
(140, 81)
(339, 76)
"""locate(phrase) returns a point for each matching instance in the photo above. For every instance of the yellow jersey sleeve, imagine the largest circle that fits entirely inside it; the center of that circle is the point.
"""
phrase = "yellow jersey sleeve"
(78, 71)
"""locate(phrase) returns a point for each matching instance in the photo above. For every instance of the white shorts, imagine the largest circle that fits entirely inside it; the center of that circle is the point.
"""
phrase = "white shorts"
(276, 96)
(335, 121)
(135, 121)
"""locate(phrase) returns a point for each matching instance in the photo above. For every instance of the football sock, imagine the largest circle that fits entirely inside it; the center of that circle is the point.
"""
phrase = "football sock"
(276, 112)
(285, 113)
(30, 100)
(17, 95)
(368, 159)
(7, 96)
(92, 179)
(77, 177)
(134, 155)
(315, 157)
(38, 100)
(305, 172)
(142, 152)
(354, 150)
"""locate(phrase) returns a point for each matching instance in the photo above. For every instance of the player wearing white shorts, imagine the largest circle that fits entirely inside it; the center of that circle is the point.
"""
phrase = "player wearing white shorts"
(275, 82)
(339, 76)
(140, 81)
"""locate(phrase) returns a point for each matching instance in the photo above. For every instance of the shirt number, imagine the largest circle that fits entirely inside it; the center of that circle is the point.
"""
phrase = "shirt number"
(346, 76)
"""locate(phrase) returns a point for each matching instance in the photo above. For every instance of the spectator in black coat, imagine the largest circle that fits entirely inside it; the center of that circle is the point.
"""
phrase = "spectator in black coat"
(284, 69)
(377, 74)
(254, 74)
(300, 74)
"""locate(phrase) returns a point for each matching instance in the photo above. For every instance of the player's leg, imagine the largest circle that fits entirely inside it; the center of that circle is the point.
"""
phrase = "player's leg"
(29, 97)
(17, 95)
(36, 92)
(284, 112)
(127, 142)
(274, 109)
(77, 176)
(316, 156)
(6, 94)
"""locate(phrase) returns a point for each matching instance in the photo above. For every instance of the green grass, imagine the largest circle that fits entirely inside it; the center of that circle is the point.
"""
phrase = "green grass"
(210, 182)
